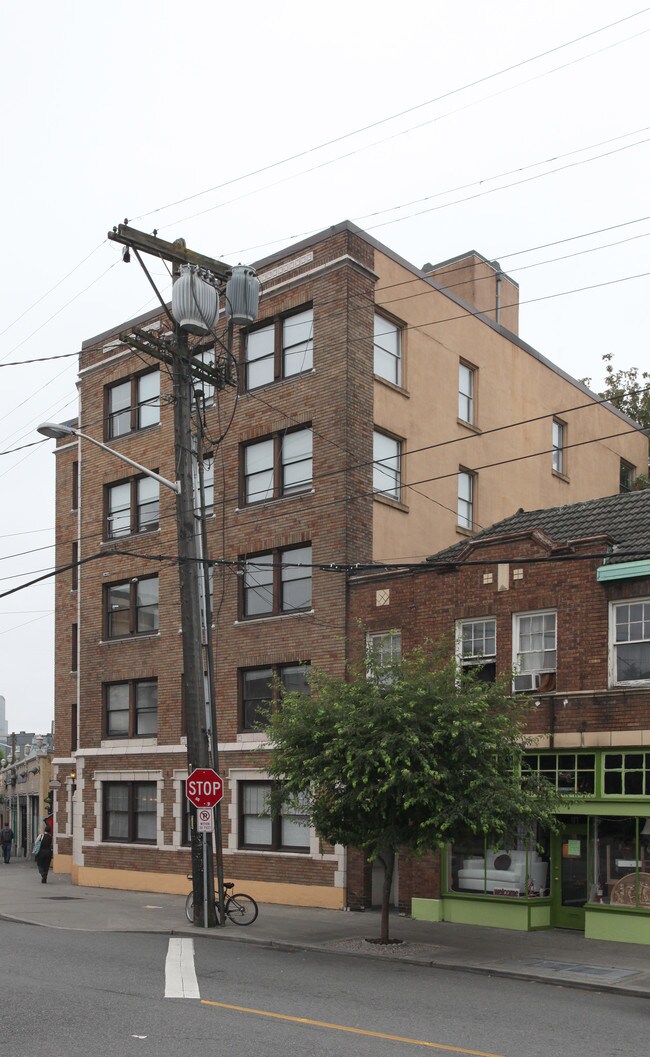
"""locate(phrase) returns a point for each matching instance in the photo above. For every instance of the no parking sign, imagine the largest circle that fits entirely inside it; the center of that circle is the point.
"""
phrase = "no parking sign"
(204, 820)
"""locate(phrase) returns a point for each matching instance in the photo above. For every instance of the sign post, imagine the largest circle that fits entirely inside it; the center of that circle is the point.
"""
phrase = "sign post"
(204, 789)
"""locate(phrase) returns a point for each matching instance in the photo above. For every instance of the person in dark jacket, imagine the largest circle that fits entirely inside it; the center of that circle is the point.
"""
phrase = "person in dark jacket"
(44, 854)
(6, 837)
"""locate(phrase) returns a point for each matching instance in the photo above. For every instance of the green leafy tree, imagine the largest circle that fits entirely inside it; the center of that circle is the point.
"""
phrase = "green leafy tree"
(405, 758)
(629, 391)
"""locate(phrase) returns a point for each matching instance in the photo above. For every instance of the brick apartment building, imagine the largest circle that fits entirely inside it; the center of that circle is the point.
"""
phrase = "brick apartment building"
(562, 597)
(356, 355)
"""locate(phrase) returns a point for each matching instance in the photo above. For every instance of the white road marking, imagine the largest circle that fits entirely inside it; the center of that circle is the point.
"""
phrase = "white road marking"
(180, 976)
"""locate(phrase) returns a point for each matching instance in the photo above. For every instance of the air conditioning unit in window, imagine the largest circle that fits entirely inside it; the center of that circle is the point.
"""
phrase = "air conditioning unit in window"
(543, 681)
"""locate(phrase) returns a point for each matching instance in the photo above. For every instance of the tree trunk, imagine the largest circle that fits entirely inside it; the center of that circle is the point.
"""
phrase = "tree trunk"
(387, 858)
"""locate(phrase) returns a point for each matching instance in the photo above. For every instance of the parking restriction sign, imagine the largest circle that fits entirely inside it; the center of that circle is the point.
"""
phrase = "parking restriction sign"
(204, 820)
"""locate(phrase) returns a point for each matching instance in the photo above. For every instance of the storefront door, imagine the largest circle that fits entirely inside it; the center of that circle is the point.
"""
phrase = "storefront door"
(569, 889)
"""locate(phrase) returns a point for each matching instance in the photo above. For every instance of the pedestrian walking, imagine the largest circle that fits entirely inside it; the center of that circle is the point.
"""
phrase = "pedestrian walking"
(6, 839)
(43, 852)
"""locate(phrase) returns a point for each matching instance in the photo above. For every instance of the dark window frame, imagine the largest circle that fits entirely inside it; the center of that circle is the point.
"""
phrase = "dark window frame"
(275, 844)
(74, 644)
(558, 455)
(280, 489)
(279, 579)
(277, 322)
(74, 571)
(134, 407)
(276, 685)
(133, 608)
(137, 525)
(134, 712)
(627, 476)
(131, 838)
(75, 485)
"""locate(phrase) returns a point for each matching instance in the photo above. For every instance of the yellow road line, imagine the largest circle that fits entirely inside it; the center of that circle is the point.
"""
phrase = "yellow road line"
(351, 1031)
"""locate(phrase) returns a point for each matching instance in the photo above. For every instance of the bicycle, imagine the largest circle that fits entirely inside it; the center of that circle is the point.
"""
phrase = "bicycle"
(240, 908)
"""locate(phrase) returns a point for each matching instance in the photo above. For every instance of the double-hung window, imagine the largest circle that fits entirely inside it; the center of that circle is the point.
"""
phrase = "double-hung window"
(130, 812)
(383, 649)
(278, 466)
(288, 830)
(535, 650)
(261, 688)
(466, 499)
(133, 404)
(281, 348)
(476, 646)
(131, 709)
(132, 506)
(630, 642)
(387, 350)
(558, 446)
(277, 582)
(206, 358)
(131, 608)
(626, 477)
(386, 467)
(466, 387)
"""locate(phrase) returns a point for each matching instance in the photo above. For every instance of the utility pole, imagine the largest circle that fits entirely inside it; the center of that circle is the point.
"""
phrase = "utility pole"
(202, 741)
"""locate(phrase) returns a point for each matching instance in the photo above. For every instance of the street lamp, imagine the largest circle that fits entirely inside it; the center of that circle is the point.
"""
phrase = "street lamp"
(197, 726)
(57, 431)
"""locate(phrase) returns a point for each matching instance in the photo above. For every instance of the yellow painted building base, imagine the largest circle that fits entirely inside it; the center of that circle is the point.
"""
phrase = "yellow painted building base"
(62, 864)
(177, 884)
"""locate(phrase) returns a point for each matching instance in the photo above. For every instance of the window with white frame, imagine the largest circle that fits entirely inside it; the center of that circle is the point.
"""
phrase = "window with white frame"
(466, 387)
(630, 641)
(130, 812)
(281, 348)
(559, 444)
(277, 466)
(278, 582)
(476, 646)
(133, 404)
(132, 506)
(259, 828)
(535, 650)
(466, 499)
(207, 358)
(383, 649)
(387, 350)
(386, 468)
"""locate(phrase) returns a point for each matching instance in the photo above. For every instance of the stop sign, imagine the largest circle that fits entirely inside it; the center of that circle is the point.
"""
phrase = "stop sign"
(204, 787)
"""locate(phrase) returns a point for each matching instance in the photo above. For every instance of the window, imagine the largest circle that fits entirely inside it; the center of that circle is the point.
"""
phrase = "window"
(130, 812)
(186, 818)
(573, 773)
(385, 647)
(476, 646)
(277, 582)
(535, 651)
(131, 608)
(74, 643)
(466, 493)
(282, 348)
(278, 466)
(626, 774)
(511, 871)
(131, 709)
(74, 571)
(466, 385)
(627, 475)
(206, 357)
(133, 404)
(287, 831)
(75, 485)
(208, 484)
(630, 649)
(132, 506)
(388, 350)
(261, 688)
(559, 444)
(386, 470)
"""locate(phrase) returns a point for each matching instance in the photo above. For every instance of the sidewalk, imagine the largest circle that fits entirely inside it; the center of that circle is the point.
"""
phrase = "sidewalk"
(551, 956)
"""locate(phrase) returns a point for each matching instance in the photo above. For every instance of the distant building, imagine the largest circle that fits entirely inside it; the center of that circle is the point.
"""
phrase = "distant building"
(381, 412)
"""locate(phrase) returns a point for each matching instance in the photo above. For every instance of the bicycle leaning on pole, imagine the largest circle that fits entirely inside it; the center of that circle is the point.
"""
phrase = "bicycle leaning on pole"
(240, 908)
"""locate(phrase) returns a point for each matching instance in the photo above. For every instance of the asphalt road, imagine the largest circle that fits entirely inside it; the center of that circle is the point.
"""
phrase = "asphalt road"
(79, 994)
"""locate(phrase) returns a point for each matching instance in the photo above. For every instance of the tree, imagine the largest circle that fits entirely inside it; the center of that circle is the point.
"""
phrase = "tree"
(629, 391)
(405, 758)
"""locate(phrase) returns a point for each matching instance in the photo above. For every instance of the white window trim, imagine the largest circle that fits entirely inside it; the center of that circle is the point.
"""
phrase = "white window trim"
(516, 617)
(475, 659)
(612, 680)
(237, 775)
(388, 633)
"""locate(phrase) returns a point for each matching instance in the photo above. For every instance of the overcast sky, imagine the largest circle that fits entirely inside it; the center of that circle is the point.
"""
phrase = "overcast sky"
(439, 127)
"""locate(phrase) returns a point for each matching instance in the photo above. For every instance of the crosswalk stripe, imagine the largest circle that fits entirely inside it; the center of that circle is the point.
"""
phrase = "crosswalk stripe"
(180, 975)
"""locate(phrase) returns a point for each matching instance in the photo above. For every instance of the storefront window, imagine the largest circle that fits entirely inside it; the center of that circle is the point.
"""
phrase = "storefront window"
(620, 854)
(520, 870)
(570, 772)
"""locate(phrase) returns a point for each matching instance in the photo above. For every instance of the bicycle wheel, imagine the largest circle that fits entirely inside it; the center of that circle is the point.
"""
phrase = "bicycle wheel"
(241, 909)
(189, 907)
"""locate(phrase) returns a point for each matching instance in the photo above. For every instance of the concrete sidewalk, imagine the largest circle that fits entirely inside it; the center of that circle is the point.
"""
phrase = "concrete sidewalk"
(551, 956)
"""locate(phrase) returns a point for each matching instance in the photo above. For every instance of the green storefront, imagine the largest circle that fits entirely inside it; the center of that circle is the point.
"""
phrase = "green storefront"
(592, 874)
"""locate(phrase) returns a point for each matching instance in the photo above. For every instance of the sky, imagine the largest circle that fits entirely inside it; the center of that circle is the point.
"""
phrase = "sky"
(519, 130)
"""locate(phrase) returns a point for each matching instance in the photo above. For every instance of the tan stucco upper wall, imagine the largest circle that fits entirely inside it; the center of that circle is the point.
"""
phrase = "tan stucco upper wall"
(475, 281)
(513, 385)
